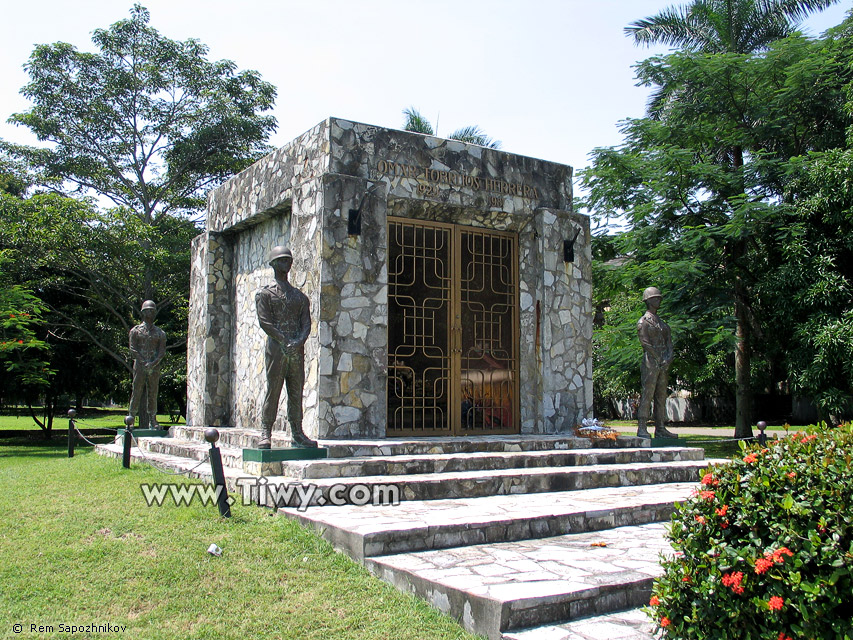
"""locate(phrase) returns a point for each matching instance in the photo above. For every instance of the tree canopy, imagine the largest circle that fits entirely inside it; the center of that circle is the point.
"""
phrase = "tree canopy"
(471, 134)
(101, 217)
(724, 26)
(712, 185)
(148, 122)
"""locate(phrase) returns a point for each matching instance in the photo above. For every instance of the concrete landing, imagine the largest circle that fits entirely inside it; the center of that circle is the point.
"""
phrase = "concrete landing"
(240, 438)
(495, 588)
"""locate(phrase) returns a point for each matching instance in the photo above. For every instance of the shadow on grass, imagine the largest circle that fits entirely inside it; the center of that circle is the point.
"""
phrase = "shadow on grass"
(37, 447)
(714, 447)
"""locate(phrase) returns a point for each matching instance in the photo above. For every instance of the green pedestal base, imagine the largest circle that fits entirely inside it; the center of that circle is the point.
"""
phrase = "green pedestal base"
(669, 442)
(146, 433)
(267, 462)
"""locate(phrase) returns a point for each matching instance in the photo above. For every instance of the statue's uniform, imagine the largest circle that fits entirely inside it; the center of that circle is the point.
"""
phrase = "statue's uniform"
(284, 314)
(147, 346)
(656, 338)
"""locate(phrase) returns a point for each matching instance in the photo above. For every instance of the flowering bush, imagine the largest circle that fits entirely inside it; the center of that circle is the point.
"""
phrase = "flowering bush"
(764, 549)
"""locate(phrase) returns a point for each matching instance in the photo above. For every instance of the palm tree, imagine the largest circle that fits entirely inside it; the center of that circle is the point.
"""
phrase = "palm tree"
(471, 134)
(724, 26)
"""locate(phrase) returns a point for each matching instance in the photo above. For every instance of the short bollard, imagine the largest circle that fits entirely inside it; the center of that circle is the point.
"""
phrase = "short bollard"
(125, 454)
(212, 435)
(72, 437)
(762, 437)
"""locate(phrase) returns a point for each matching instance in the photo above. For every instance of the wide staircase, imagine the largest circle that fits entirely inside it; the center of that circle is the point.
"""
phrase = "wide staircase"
(518, 538)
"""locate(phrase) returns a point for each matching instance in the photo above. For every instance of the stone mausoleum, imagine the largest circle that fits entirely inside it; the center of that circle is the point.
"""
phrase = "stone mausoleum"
(449, 286)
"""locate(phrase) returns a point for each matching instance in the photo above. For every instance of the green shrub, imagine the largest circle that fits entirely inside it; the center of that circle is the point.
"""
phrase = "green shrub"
(764, 549)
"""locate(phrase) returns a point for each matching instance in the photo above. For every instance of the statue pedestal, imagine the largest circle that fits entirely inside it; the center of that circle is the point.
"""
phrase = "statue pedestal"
(669, 442)
(267, 462)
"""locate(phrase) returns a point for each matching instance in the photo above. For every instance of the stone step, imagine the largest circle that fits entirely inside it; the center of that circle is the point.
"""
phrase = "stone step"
(427, 463)
(239, 438)
(633, 624)
(171, 464)
(496, 588)
(191, 449)
(480, 460)
(473, 484)
(417, 525)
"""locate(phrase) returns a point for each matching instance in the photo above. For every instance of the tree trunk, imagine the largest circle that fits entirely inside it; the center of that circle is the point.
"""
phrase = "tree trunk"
(743, 348)
(743, 357)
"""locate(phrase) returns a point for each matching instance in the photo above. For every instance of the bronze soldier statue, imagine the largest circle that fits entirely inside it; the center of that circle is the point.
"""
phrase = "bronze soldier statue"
(285, 316)
(147, 347)
(656, 339)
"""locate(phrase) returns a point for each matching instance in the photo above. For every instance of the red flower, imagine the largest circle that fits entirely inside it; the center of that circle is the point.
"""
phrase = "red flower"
(775, 603)
(752, 457)
(709, 480)
(782, 636)
(654, 601)
(777, 556)
(665, 622)
(791, 474)
(707, 495)
(699, 519)
(762, 565)
(722, 510)
(733, 580)
(20, 342)
(724, 524)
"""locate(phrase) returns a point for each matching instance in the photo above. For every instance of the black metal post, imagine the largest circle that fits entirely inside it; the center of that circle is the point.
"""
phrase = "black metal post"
(762, 437)
(212, 435)
(72, 437)
(128, 429)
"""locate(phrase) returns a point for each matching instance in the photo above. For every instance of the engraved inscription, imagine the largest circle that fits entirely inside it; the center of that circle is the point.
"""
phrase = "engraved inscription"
(431, 181)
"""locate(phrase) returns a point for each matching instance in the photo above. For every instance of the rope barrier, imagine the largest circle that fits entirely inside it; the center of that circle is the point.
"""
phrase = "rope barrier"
(142, 453)
(166, 471)
(82, 436)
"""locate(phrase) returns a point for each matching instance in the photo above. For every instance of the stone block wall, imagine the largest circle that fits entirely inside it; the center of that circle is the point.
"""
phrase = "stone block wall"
(353, 311)
(209, 334)
(301, 195)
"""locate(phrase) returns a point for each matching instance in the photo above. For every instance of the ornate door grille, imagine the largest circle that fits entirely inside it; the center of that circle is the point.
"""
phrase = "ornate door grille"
(452, 330)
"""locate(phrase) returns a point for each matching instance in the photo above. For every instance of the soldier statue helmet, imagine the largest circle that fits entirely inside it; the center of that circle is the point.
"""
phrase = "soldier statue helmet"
(279, 252)
(651, 292)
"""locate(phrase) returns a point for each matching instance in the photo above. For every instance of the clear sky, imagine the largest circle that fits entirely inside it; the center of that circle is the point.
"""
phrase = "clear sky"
(549, 78)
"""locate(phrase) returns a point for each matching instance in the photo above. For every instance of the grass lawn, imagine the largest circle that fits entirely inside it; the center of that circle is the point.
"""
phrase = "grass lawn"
(87, 419)
(79, 546)
(723, 428)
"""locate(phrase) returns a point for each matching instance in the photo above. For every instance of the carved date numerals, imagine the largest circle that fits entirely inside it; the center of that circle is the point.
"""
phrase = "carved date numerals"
(428, 189)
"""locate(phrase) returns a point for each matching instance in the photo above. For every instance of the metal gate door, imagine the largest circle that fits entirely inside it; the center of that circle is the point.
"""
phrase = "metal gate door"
(452, 330)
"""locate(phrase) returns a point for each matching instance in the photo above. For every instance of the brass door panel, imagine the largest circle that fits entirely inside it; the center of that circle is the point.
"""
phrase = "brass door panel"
(452, 330)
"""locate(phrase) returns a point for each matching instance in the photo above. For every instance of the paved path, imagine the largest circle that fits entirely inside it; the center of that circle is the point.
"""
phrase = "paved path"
(702, 431)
